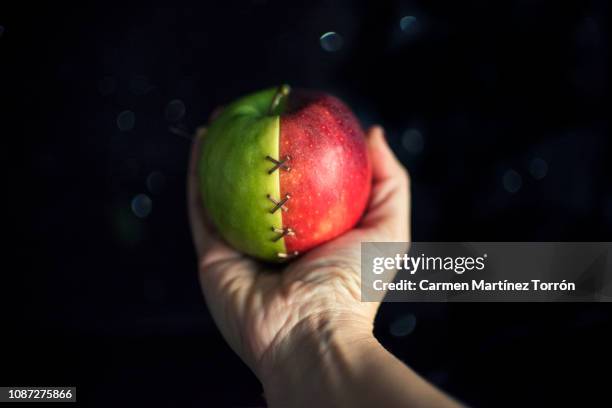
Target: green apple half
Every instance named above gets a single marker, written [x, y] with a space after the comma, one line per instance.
[234, 179]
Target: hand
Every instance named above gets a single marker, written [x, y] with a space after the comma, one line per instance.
[266, 313]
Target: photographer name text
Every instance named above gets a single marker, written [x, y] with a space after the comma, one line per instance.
[474, 285]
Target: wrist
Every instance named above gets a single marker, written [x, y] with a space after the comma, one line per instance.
[317, 352]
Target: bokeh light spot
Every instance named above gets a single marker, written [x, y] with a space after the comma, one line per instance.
[142, 205]
[175, 110]
[139, 85]
[403, 326]
[331, 41]
[512, 181]
[412, 140]
[408, 23]
[126, 120]
[538, 168]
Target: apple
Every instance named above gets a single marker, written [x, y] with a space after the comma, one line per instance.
[282, 171]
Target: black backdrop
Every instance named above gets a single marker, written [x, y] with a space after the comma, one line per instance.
[496, 108]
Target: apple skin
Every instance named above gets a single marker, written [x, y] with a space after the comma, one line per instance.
[233, 175]
[330, 175]
[326, 176]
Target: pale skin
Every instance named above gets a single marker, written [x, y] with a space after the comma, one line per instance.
[302, 328]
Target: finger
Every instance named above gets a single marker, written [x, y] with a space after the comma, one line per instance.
[389, 208]
[385, 164]
[388, 214]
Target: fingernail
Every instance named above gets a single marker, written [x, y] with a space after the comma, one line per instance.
[377, 130]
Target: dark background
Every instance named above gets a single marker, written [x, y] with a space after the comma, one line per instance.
[496, 108]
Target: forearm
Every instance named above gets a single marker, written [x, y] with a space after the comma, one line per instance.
[348, 369]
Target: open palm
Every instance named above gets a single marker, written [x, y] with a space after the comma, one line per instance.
[261, 308]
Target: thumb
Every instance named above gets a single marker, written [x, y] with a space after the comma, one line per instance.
[388, 213]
